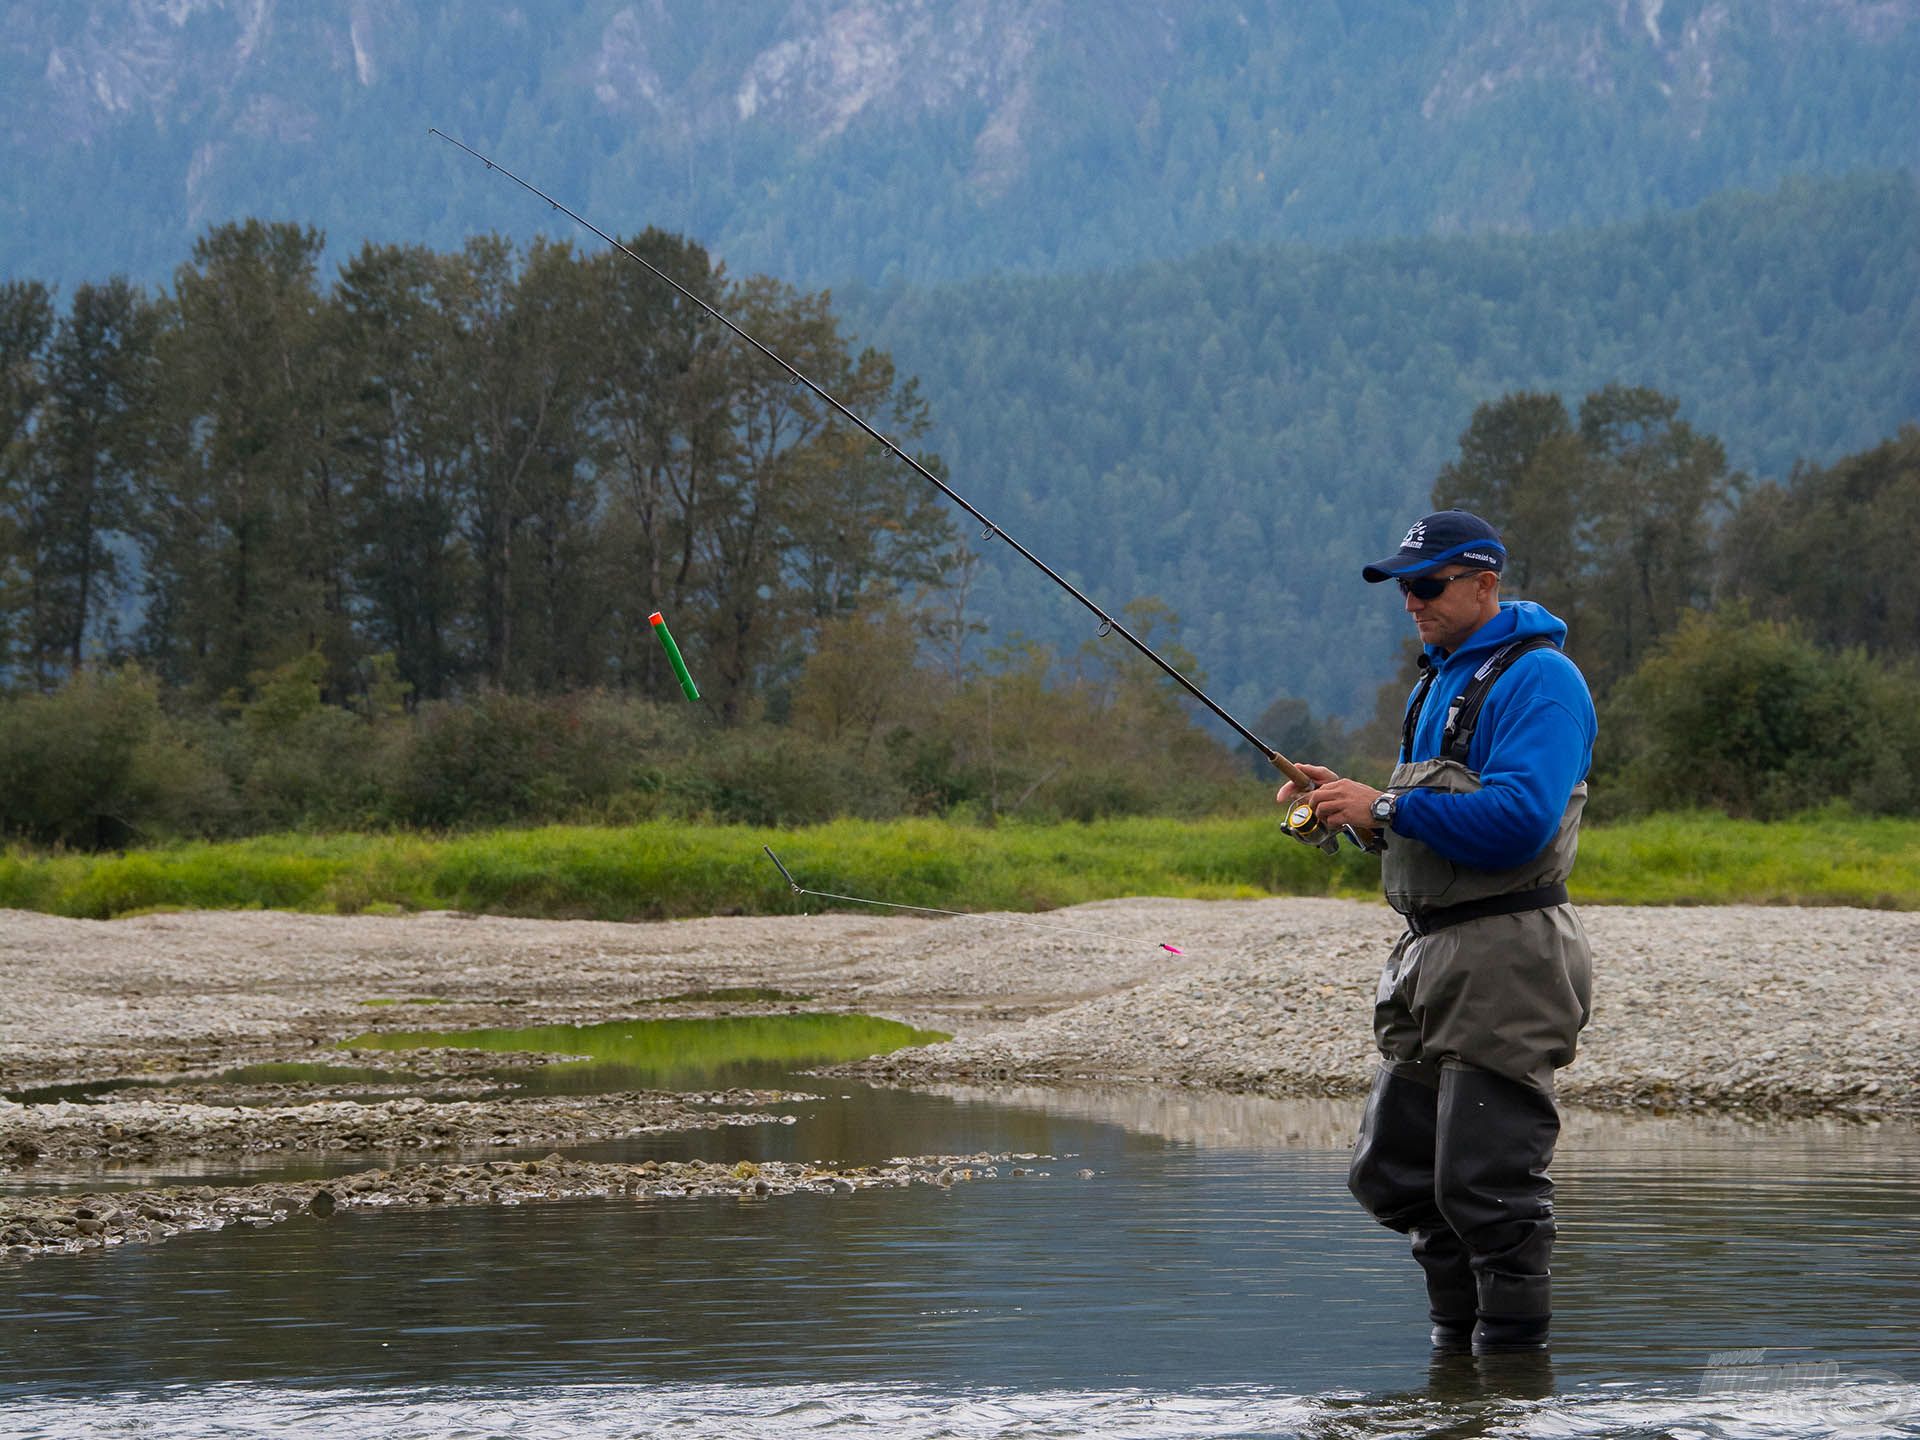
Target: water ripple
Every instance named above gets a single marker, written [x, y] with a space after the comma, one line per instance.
[1863, 1407]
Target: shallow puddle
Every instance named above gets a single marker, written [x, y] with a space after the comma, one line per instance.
[297, 1072]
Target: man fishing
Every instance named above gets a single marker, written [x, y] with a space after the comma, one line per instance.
[1482, 998]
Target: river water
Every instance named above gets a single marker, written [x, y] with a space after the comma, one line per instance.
[1210, 1278]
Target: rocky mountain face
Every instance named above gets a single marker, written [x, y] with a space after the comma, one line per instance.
[920, 139]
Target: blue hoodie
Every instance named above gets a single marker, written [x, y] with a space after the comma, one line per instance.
[1533, 744]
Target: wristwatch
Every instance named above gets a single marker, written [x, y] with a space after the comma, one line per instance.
[1384, 807]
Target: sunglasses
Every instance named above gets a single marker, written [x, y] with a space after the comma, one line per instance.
[1432, 587]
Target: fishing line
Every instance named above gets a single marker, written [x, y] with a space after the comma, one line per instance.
[1299, 821]
[800, 889]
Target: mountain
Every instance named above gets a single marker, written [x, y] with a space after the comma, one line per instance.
[1238, 432]
[923, 140]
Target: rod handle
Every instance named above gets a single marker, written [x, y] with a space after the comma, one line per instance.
[1292, 771]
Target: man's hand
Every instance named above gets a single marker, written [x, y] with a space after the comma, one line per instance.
[1319, 774]
[1337, 802]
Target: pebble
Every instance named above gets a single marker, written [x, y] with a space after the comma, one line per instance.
[144, 1128]
[44, 1224]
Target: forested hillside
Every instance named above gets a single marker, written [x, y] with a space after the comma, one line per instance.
[825, 140]
[1236, 433]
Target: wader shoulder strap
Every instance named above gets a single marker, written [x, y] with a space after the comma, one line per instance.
[1464, 715]
[1414, 706]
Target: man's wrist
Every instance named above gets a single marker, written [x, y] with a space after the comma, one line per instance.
[1385, 808]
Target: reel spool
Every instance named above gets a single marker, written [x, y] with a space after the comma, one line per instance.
[1302, 824]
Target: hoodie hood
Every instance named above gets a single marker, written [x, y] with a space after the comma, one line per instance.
[1517, 620]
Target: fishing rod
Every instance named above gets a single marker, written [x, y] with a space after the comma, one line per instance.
[800, 889]
[1299, 820]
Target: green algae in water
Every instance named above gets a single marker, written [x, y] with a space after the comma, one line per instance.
[760, 1050]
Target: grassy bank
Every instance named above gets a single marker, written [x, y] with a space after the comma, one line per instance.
[659, 871]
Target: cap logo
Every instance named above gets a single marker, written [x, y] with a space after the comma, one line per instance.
[1479, 555]
[1416, 536]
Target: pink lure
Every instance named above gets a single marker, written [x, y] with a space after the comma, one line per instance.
[1175, 948]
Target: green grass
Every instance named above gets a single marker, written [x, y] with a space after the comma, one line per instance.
[664, 870]
[1826, 859]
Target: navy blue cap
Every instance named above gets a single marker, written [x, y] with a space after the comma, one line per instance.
[1446, 537]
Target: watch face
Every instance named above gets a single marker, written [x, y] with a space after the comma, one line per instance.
[1383, 807]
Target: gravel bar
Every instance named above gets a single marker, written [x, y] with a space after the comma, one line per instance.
[142, 1129]
[69, 1224]
[1739, 1009]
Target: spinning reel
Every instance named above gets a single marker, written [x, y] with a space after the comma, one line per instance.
[1304, 825]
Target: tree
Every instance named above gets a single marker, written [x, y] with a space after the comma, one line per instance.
[26, 324]
[1831, 550]
[1522, 468]
[411, 566]
[238, 524]
[1609, 525]
[802, 519]
[859, 676]
[661, 404]
[1655, 489]
[518, 356]
[101, 378]
[1749, 716]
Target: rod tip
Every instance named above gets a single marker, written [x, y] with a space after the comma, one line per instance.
[793, 883]
[656, 618]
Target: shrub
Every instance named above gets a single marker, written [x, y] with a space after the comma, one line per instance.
[96, 764]
[327, 768]
[764, 776]
[500, 758]
[1752, 718]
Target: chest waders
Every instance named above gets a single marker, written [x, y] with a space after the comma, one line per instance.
[1479, 1003]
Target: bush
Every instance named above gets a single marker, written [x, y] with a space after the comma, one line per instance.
[326, 770]
[764, 776]
[103, 763]
[97, 764]
[507, 758]
[1751, 718]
